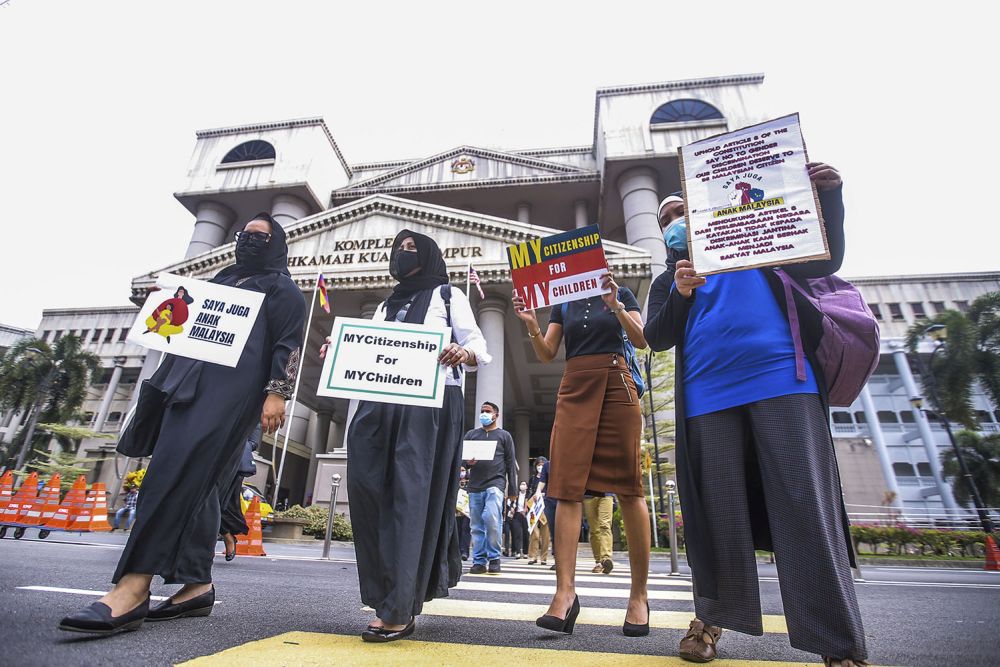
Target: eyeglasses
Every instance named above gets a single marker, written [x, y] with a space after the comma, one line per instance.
[255, 236]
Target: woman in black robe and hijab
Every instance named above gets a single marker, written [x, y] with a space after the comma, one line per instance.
[209, 411]
[404, 460]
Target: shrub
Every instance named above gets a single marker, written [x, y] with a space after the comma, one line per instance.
[897, 539]
[316, 517]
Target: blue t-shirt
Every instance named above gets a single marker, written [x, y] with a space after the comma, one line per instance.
[738, 346]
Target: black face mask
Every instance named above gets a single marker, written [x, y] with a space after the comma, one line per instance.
[249, 250]
[406, 261]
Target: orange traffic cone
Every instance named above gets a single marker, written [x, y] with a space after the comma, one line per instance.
[6, 489]
[252, 544]
[99, 520]
[48, 501]
[992, 554]
[71, 506]
[22, 500]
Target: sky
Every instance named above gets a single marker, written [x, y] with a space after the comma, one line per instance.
[100, 102]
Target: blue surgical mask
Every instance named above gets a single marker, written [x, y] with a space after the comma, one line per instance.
[485, 418]
[676, 234]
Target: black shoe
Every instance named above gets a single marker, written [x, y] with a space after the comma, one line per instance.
[201, 605]
[494, 567]
[506, 554]
[553, 566]
[381, 635]
[607, 565]
[634, 629]
[557, 624]
[532, 561]
[477, 569]
[97, 620]
[465, 558]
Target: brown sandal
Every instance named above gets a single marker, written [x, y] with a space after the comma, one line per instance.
[699, 644]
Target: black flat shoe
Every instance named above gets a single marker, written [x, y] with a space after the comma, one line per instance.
[97, 620]
[381, 635]
[196, 606]
[634, 629]
[557, 624]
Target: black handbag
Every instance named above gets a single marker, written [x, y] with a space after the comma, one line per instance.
[139, 436]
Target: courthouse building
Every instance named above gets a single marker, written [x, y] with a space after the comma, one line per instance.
[341, 217]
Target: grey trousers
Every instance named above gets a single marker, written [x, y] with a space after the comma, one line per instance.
[788, 440]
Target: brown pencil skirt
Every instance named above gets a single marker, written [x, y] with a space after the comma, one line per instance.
[597, 430]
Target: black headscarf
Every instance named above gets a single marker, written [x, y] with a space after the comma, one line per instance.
[273, 260]
[418, 288]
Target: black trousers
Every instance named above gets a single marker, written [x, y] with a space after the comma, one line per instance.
[518, 534]
[787, 441]
[464, 527]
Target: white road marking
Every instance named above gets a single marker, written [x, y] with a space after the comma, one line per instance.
[580, 578]
[82, 591]
[622, 593]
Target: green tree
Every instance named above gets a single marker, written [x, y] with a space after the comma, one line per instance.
[661, 389]
[982, 457]
[64, 463]
[48, 379]
[971, 354]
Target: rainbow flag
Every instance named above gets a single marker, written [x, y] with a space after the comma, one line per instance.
[324, 302]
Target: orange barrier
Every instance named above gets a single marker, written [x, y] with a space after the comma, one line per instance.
[99, 521]
[6, 489]
[70, 508]
[992, 554]
[22, 501]
[48, 501]
[252, 544]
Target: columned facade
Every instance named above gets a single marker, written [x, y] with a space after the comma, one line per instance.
[212, 224]
[878, 439]
[286, 209]
[639, 191]
[580, 217]
[109, 394]
[522, 442]
[524, 213]
[489, 379]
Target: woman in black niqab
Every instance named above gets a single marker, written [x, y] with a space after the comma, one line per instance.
[208, 413]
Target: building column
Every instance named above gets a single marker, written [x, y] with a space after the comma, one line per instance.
[13, 424]
[109, 394]
[489, 380]
[286, 209]
[924, 428]
[337, 435]
[522, 442]
[317, 433]
[212, 224]
[640, 199]
[878, 438]
[580, 213]
[524, 213]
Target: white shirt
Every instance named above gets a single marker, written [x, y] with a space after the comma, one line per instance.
[463, 326]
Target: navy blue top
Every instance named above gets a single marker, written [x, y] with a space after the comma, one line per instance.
[590, 327]
[738, 346]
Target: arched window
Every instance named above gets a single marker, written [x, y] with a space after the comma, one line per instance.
[249, 151]
[682, 111]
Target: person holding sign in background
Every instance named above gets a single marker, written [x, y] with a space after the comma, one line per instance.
[208, 413]
[595, 438]
[404, 460]
[755, 459]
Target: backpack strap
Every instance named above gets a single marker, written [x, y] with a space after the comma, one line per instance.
[446, 297]
[793, 322]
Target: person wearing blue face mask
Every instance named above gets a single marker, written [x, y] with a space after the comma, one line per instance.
[489, 482]
[673, 223]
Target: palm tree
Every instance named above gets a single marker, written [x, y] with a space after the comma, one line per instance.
[972, 354]
[50, 381]
[982, 457]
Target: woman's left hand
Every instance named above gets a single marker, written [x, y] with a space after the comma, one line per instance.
[452, 355]
[824, 176]
[272, 417]
[611, 298]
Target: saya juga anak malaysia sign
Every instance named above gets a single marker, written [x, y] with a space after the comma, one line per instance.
[385, 362]
[749, 201]
[558, 268]
[196, 319]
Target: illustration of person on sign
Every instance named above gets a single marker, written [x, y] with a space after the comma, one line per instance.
[168, 317]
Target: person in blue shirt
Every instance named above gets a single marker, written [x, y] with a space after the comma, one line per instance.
[756, 466]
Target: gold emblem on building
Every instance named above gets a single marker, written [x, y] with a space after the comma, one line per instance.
[463, 165]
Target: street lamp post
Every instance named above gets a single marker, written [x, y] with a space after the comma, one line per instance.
[938, 333]
[333, 510]
[40, 401]
[652, 416]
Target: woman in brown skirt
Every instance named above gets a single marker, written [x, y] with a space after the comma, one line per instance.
[595, 438]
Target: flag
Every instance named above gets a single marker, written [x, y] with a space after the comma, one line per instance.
[324, 302]
[474, 280]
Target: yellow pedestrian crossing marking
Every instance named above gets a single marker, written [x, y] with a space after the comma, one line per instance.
[514, 611]
[500, 587]
[313, 648]
[580, 578]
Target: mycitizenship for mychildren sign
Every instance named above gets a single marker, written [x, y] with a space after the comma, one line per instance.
[196, 319]
[386, 362]
[749, 201]
[558, 268]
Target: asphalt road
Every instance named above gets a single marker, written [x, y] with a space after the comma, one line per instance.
[913, 616]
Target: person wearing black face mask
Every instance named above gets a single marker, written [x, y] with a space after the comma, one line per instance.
[405, 460]
[208, 412]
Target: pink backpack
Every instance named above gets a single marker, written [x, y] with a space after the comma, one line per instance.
[849, 347]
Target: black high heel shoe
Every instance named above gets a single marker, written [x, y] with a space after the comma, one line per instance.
[635, 629]
[230, 555]
[557, 624]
